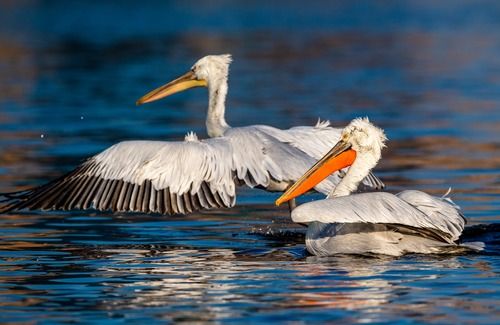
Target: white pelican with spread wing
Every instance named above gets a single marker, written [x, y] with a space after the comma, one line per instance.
[377, 223]
[184, 176]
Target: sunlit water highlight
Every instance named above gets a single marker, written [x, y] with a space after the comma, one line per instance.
[69, 76]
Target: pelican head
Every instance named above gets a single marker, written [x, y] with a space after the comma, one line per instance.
[364, 137]
[360, 147]
[210, 71]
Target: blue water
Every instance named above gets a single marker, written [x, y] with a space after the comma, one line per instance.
[426, 71]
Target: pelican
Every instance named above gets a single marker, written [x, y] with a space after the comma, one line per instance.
[372, 223]
[180, 177]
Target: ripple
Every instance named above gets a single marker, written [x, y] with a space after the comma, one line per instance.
[426, 72]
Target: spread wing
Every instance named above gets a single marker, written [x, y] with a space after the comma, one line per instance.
[413, 209]
[141, 176]
[169, 177]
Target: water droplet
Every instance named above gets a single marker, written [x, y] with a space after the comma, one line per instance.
[81, 117]
[42, 136]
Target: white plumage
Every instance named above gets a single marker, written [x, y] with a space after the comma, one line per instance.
[408, 208]
[185, 176]
[379, 223]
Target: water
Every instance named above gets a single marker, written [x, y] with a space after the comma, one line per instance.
[69, 76]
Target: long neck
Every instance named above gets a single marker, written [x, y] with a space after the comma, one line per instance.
[357, 172]
[216, 123]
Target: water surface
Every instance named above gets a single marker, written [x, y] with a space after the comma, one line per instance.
[428, 73]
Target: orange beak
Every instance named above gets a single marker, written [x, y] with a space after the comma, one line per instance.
[184, 82]
[340, 156]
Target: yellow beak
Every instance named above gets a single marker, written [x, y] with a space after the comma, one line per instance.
[340, 156]
[184, 82]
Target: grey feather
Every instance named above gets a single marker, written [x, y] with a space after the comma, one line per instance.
[195, 174]
[409, 208]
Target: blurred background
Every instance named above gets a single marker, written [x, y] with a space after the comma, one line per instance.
[70, 73]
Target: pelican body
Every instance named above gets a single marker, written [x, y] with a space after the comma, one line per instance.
[180, 177]
[372, 223]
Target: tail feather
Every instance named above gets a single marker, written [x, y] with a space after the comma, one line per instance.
[372, 182]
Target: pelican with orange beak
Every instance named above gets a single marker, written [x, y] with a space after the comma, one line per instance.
[372, 223]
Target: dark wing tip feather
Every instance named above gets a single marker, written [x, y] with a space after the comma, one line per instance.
[82, 189]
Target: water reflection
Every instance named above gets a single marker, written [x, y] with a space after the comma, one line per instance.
[176, 283]
[215, 284]
[426, 72]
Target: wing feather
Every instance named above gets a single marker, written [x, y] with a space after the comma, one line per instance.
[172, 177]
[145, 198]
[88, 192]
[173, 201]
[180, 204]
[385, 208]
[316, 141]
[166, 199]
[260, 159]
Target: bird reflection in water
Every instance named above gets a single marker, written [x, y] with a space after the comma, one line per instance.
[214, 280]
